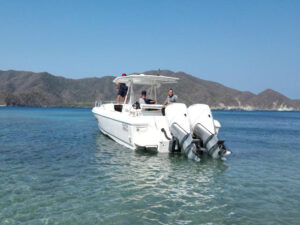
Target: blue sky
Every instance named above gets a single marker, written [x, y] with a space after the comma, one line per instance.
[247, 45]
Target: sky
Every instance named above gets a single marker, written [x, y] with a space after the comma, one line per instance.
[247, 45]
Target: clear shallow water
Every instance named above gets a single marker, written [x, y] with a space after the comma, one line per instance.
[57, 168]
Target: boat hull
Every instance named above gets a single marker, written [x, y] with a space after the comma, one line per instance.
[116, 130]
[134, 132]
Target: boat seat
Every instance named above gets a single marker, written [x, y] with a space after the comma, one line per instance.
[151, 107]
[118, 108]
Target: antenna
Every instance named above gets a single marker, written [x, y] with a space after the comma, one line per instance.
[158, 72]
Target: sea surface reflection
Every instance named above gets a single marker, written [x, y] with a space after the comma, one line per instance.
[57, 168]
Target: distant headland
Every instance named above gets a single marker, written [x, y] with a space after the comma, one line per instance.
[22, 88]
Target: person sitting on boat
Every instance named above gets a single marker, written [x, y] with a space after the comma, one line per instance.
[144, 100]
[122, 90]
[171, 98]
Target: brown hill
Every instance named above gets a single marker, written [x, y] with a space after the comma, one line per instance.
[43, 89]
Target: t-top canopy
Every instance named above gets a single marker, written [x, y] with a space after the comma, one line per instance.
[145, 79]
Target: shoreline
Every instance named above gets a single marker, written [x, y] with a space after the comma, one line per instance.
[213, 109]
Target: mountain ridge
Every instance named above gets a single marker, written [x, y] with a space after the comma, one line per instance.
[25, 88]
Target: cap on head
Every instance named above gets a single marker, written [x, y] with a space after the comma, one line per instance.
[144, 92]
[123, 74]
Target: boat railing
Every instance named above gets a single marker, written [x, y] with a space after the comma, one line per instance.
[111, 102]
[98, 103]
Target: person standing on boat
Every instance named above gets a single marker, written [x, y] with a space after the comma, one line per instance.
[144, 100]
[171, 98]
[122, 90]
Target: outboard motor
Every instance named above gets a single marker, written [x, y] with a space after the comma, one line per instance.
[205, 128]
[176, 115]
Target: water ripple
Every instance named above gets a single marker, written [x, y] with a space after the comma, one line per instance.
[56, 168]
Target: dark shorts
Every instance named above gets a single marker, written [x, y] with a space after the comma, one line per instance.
[122, 91]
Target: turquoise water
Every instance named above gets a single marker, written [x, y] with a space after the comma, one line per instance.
[57, 168]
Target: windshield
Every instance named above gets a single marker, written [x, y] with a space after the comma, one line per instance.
[134, 93]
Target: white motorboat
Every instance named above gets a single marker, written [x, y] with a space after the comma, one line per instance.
[191, 130]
